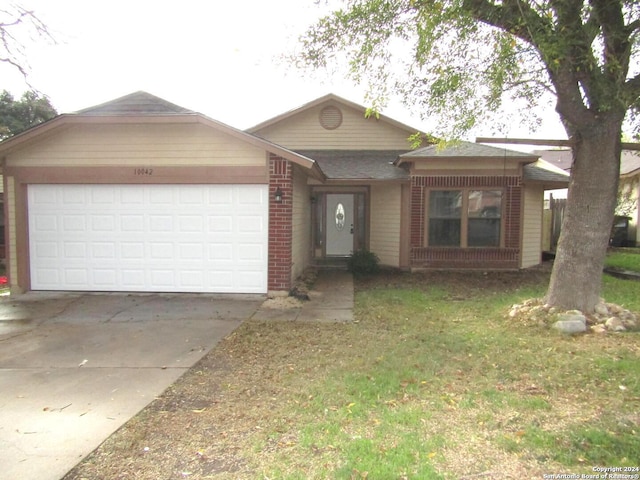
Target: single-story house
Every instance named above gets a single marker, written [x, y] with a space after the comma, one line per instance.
[139, 194]
[629, 183]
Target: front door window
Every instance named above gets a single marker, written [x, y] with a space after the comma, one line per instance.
[340, 224]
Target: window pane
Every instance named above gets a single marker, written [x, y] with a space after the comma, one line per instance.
[444, 232]
[445, 204]
[445, 209]
[485, 210]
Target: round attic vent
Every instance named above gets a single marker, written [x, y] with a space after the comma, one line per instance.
[330, 117]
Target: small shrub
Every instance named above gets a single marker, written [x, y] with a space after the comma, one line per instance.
[363, 262]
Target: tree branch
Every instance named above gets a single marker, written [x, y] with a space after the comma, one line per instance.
[513, 16]
[617, 45]
[631, 90]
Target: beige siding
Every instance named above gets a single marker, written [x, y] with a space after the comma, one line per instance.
[384, 238]
[356, 132]
[532, 226]
[155, 144]
[301, 224]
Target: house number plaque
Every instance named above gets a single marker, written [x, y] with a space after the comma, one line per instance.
[340, 216]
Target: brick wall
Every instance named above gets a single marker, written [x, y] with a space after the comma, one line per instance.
[280, 223]
[447, 257]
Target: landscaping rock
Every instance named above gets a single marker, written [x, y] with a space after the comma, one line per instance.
[571, 323]
[614, 324]
[629, 320]
[615, 309]
[607, 317]
[602, 309]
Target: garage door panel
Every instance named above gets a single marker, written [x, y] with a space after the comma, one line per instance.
[47, 276]
[102, 223]
[70, 197]
[76, 276]
[104, 278]
[73, 223]
[182, 238]
[75, 250]
[103, 195]
[133, 279]
[191, 223]
[132, 197]
[103, 250]
[46, 250]
[46, 223]
[220, 223]
[250, 253]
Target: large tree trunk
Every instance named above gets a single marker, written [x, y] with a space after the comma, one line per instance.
[576, 278]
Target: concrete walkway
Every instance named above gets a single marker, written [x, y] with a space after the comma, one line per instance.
[330, 300]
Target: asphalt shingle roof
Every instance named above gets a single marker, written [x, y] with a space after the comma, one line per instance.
[536, 173]
[358, 164]
[466, 149]
[563, 158]
[138, 103]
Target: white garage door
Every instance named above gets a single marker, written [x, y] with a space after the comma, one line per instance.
[149, 238]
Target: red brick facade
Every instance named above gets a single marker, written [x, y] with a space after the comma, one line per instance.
[280, 221]
[506, 256]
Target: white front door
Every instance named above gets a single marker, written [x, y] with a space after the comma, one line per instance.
[340, 224]
[149, 238]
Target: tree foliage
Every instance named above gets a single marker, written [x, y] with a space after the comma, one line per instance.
[18, 115]
[461, 60]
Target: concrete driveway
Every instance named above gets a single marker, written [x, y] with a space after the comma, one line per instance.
[75, 367]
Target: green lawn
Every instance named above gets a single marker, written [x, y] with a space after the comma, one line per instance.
[626, 259]
[435, 382]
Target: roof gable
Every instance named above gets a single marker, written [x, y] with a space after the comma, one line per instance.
[329, 98]
[144, 108]
[333, 123]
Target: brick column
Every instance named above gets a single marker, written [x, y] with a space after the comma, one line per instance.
[280, 221]
[417, 212]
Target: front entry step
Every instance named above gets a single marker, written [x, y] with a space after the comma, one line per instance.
[331, 263]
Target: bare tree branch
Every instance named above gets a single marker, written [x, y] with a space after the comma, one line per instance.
[17, 24]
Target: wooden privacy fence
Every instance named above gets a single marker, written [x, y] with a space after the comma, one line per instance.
[556, 206]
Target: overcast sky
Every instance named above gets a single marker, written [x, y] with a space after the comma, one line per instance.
[218, 58]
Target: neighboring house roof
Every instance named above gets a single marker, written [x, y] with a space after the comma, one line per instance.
[142, 107]
[545, 173]
[563, 158]
[358, 164]
[466, 150]
[630, 163]
[272, 121]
